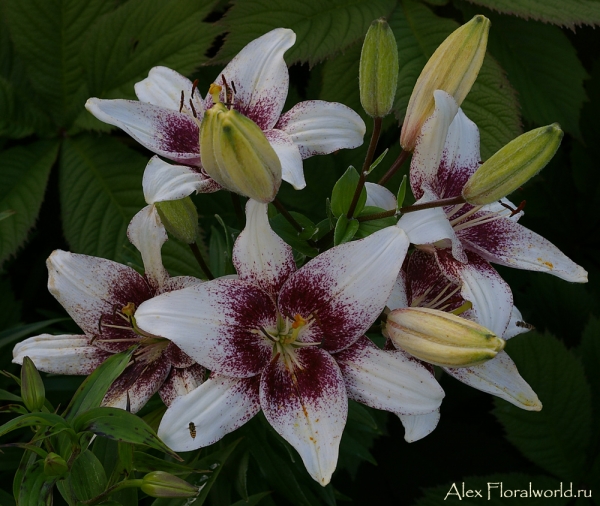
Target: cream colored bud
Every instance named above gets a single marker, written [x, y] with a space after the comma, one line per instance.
[162, 484]
[33, 392]
[237, 155]
[180, 218]
[513, 165]
[441, 338]
[453, 68]
[378, 74]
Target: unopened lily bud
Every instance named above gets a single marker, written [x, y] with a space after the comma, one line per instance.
[162, 484]
[513, 165]
[453, 68]
[236, 153]
[55, 465]
[32, 386]
[180, 218]
[442, 338]
[378, 75]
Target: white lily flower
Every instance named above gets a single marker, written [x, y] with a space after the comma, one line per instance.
[167, 118]
[446, 155]
[101, 295]
[441, 282]
[290, 342]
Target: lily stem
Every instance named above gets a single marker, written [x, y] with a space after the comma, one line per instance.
[200, 260]
[239, 211]
[451, 201]
[402, 157]
[367, 163]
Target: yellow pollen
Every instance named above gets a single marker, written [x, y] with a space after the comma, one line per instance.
[298, 322]
[128, 309]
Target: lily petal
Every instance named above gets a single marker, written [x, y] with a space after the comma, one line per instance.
[481, 285]
[289, 156]
[90, 288]
[308, 407]
[147, 233]
[139, 382]
[499, 377]
[505, 242]
[398, 298]
[164, 87]
[345, 288]
[388, 380]
[380, 196]
[181, 382]
[168, 133]
[217, 407]
[418, 426]
[63, 354]
[319, 128]
[516, 325]
[431, 226]
[163, 181]
[261, 77]
[217, 323]
[260, 256]
[430, 144]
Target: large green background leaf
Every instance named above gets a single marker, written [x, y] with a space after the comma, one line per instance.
[23, 178]
[557, 437]
[101, 190]
[323, 27]
[559, 12]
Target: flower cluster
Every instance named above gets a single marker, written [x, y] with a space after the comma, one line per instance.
[293, 342]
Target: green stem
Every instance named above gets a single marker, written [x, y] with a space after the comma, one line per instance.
[111, 490]
[367, 163]
[200, 260]
[415, 207]
[292, 221]
[402, 157]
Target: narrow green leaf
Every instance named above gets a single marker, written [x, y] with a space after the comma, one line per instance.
[345, 230]
[378, 161]
[93, 389]
[6, 499]
[290, 235]
[118, 424]
[251, 500]
[9, 336]
[31, 419]
[101, 190]
[23, 179]
[125, 44]
[87, 478]
[491, 104]
[241, 476]
[215, 462]
[179, 260]
[322, 28]
[557, 437]
[48, 35]
[343, 193]
[146, 463]
[531, 491]
[36, 488]
[543, 67]
[7, 396]
[559, 12]
[401, 192]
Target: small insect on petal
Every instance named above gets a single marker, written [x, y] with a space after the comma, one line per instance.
[192, 428]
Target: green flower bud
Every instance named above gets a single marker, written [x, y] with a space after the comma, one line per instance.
[378, 74]
[180, 218]
[513, 165]
[162, 484]
[236, 153]
[442, 338]
[453, 68]
[32, 386]
[55, 465]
